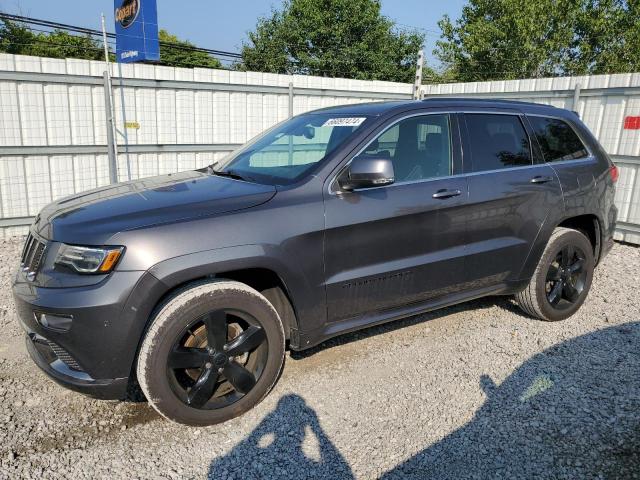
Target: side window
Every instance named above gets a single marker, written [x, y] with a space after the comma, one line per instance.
[420, 147]
[557, 139]
[497, 141]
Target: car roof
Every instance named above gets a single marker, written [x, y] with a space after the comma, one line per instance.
[386, 107]
[368, 108]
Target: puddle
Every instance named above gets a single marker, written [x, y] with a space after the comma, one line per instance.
[104, 423]
[139, 413]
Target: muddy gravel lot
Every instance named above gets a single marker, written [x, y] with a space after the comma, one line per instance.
[474, 391]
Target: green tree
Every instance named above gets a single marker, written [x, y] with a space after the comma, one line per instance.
[508, 39]
[15, 38]
[334, 38]
[182, 54]
[607, 38]
[18, 39]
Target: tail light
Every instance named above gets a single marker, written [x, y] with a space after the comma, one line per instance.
[614, 173]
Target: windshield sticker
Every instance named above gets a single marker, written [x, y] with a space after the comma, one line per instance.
[344, 122]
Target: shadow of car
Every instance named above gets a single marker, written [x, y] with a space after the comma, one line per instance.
[568, 412]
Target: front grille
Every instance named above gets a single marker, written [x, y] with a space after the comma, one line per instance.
[63, 355]
[32, 255]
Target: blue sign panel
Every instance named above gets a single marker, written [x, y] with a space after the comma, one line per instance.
[136, 30]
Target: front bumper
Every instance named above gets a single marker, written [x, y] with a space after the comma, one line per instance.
[95, 355]
[45, 357]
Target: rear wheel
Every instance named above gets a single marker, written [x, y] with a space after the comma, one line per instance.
[562, 279]
[212, 352]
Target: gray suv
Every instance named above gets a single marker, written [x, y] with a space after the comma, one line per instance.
[192, 285]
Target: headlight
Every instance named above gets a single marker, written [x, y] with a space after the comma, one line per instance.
[89, 259]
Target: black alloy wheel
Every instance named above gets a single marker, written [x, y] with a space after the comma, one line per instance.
[213, 350]
[562, 278]
[217, 359]
[566, 277]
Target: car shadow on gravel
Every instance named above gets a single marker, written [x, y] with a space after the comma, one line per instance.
[288, 443]
[568, 412]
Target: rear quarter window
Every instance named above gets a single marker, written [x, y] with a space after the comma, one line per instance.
[557, 139]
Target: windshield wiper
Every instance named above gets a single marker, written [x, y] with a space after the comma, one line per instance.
[230, 174]
[210, 167]
[226, 173]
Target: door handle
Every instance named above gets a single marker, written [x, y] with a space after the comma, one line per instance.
[541, 179]
[444, 193]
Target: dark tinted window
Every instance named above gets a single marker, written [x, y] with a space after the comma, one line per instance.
[557, 139]
[420, 147]
[497, 141]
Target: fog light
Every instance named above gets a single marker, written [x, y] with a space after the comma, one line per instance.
[58, 322]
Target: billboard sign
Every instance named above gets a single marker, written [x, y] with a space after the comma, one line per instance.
[136, 30]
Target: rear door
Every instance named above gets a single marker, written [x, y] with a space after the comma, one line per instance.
[402, 243]
[511, 195]
[563, 149]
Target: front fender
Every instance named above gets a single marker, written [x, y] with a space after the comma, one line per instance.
[308, 299]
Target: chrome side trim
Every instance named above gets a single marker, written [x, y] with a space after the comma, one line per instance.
[508, 169]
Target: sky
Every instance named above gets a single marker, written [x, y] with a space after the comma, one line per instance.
[223, 25]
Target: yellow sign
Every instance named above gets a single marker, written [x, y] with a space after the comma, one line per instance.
[135, 125]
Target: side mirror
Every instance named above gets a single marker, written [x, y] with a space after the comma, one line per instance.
[367, 171]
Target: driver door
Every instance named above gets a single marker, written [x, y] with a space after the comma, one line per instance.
[403, 243]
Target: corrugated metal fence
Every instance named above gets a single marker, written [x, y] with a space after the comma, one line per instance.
[53, 127]
[608, 104]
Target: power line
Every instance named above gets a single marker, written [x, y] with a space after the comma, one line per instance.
[428, 32]
[54, 44]
[111, 43]
[92, 32]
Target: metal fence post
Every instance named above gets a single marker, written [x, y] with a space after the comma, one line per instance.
[290, 116]
[111, 145]
[108, 106]
[125, 134]
[290, 99]
[576, 97]
[418, 80]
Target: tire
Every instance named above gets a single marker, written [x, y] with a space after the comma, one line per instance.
[187, 369]
[559, 286]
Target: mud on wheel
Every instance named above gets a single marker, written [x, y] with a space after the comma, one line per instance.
[212, 352]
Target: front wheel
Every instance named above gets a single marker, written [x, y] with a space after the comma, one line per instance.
[562, 279]
[212, 352]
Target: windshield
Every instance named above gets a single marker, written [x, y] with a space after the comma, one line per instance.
[291, 149]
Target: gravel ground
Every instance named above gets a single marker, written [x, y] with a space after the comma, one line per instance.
[473, 391]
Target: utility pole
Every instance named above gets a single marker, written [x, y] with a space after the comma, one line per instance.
[112, 147]
[418, 81]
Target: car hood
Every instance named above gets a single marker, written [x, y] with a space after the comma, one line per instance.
[92, 217]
